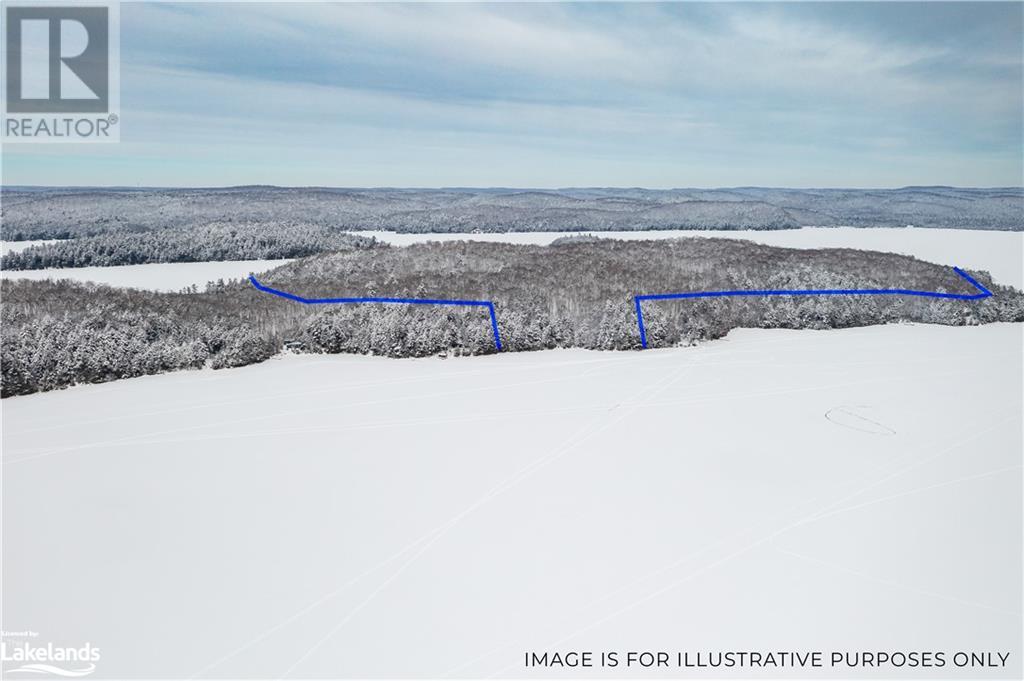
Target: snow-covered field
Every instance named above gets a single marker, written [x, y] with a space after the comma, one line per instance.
[154, 276]
[355, 516]
[1001, 253]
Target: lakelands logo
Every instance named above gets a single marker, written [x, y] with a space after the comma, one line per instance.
[26, 655]
[61, 75]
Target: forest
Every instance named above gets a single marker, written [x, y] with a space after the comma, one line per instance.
[574, 293]
[220, 241]
[30, 213]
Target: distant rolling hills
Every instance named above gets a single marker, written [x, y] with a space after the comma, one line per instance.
[42, 213]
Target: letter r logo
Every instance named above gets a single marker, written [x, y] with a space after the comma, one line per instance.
[57, 59]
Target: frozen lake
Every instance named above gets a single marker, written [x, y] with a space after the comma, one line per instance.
[326, 516]
[1001, 253]
[154, 276]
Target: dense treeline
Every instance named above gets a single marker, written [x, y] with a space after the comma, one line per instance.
[56, 334]
[222, 241]
[577, 293]
[62, 213]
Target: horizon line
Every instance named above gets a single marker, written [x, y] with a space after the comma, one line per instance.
[4, 186]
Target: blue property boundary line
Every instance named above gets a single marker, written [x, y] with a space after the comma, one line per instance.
[984, 293]
[404, 301]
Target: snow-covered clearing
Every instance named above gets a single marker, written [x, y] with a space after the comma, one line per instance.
[355, 516]
[154, 276]
[16, 246]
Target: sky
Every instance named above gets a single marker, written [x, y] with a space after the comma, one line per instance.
[556, 95]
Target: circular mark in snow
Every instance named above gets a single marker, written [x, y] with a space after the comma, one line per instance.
[851, 417]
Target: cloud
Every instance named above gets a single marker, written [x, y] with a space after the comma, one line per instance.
[681, 88]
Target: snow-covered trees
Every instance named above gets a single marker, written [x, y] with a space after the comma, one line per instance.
[220, 241]
[62, 213]
[59, 334]
[575, 294]
[399, 331]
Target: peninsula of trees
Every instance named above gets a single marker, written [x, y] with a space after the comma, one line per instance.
[574, 293]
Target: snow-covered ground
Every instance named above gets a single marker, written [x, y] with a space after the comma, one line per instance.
[1001, 253]
[354, 516]
[154, 276]
[16, 246]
